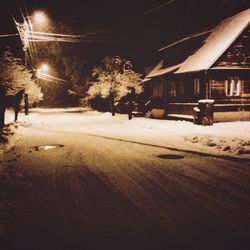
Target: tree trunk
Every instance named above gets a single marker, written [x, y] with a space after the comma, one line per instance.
[130, 107]
[26, 104]
[2, 115]
[2, 107]
[112, 105]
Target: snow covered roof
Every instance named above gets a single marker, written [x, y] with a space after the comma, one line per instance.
[157, 71]
[218, 41]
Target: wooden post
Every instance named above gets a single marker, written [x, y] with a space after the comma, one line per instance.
[206, 112]
[17, 103]
[207, 85]
[26, 104]
[2, 107]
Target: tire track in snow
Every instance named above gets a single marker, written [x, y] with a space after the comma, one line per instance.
[125, 220]
[75, 233]
[200, 216]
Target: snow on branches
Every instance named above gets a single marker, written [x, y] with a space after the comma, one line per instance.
[115, 78]
[15, 77]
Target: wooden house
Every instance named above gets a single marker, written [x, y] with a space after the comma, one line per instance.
[214, 65]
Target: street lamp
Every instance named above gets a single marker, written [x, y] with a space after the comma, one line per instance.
[43, 70]
[40, 18]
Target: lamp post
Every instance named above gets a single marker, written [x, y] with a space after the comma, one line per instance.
[25, 29]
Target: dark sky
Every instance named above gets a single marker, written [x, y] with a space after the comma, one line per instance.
[138, 38]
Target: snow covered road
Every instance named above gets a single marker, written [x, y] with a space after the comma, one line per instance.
[101, 193]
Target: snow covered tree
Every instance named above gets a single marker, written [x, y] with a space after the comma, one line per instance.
[114, 80]
[15, 77]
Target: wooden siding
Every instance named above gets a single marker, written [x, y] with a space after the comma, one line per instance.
[217, 91]
[217, 88]
[239, 53]
[246, 88]
[181, 108]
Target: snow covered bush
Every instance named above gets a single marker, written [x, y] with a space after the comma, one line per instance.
[114, 80]
[15, 77]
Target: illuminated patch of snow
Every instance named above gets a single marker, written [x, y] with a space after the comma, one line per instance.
[47, 147]
[231, 138]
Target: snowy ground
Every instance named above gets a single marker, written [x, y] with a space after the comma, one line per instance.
[226, 139]
[103, 191]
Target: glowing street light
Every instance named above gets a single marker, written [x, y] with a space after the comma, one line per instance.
[43, 73]
[40, 18]
[43, 69]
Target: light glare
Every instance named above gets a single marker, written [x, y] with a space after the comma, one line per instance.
[40, 17]
[44, 68]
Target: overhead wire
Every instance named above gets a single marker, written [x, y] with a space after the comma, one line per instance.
[50, 78]
[46, 36]
[32, 45]
[89, 37]
[185, 39]
[9, 35]
[132, 18]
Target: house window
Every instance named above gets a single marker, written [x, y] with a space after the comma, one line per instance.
[161, 89]
[196, 87]
[217, 88]
[155, 90]
[173, 89]
[158, 89]
[232, 86]
[181, 88]
[246, 88]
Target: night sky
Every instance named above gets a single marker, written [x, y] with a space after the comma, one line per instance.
[135, 38]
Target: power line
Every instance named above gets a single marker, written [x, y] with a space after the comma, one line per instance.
[86, 37]
[150, 11]
[185, 39]
[100, 30]
[9, 35]
[133, 18]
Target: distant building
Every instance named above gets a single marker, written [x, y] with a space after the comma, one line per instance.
[211, 65]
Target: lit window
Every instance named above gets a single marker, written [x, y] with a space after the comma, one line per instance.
[158, 89]
[173, 89]
[196, 86]
[232, 86]
[181, 88]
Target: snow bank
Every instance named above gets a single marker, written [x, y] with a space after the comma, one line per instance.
[7, 138]
[232, 138]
